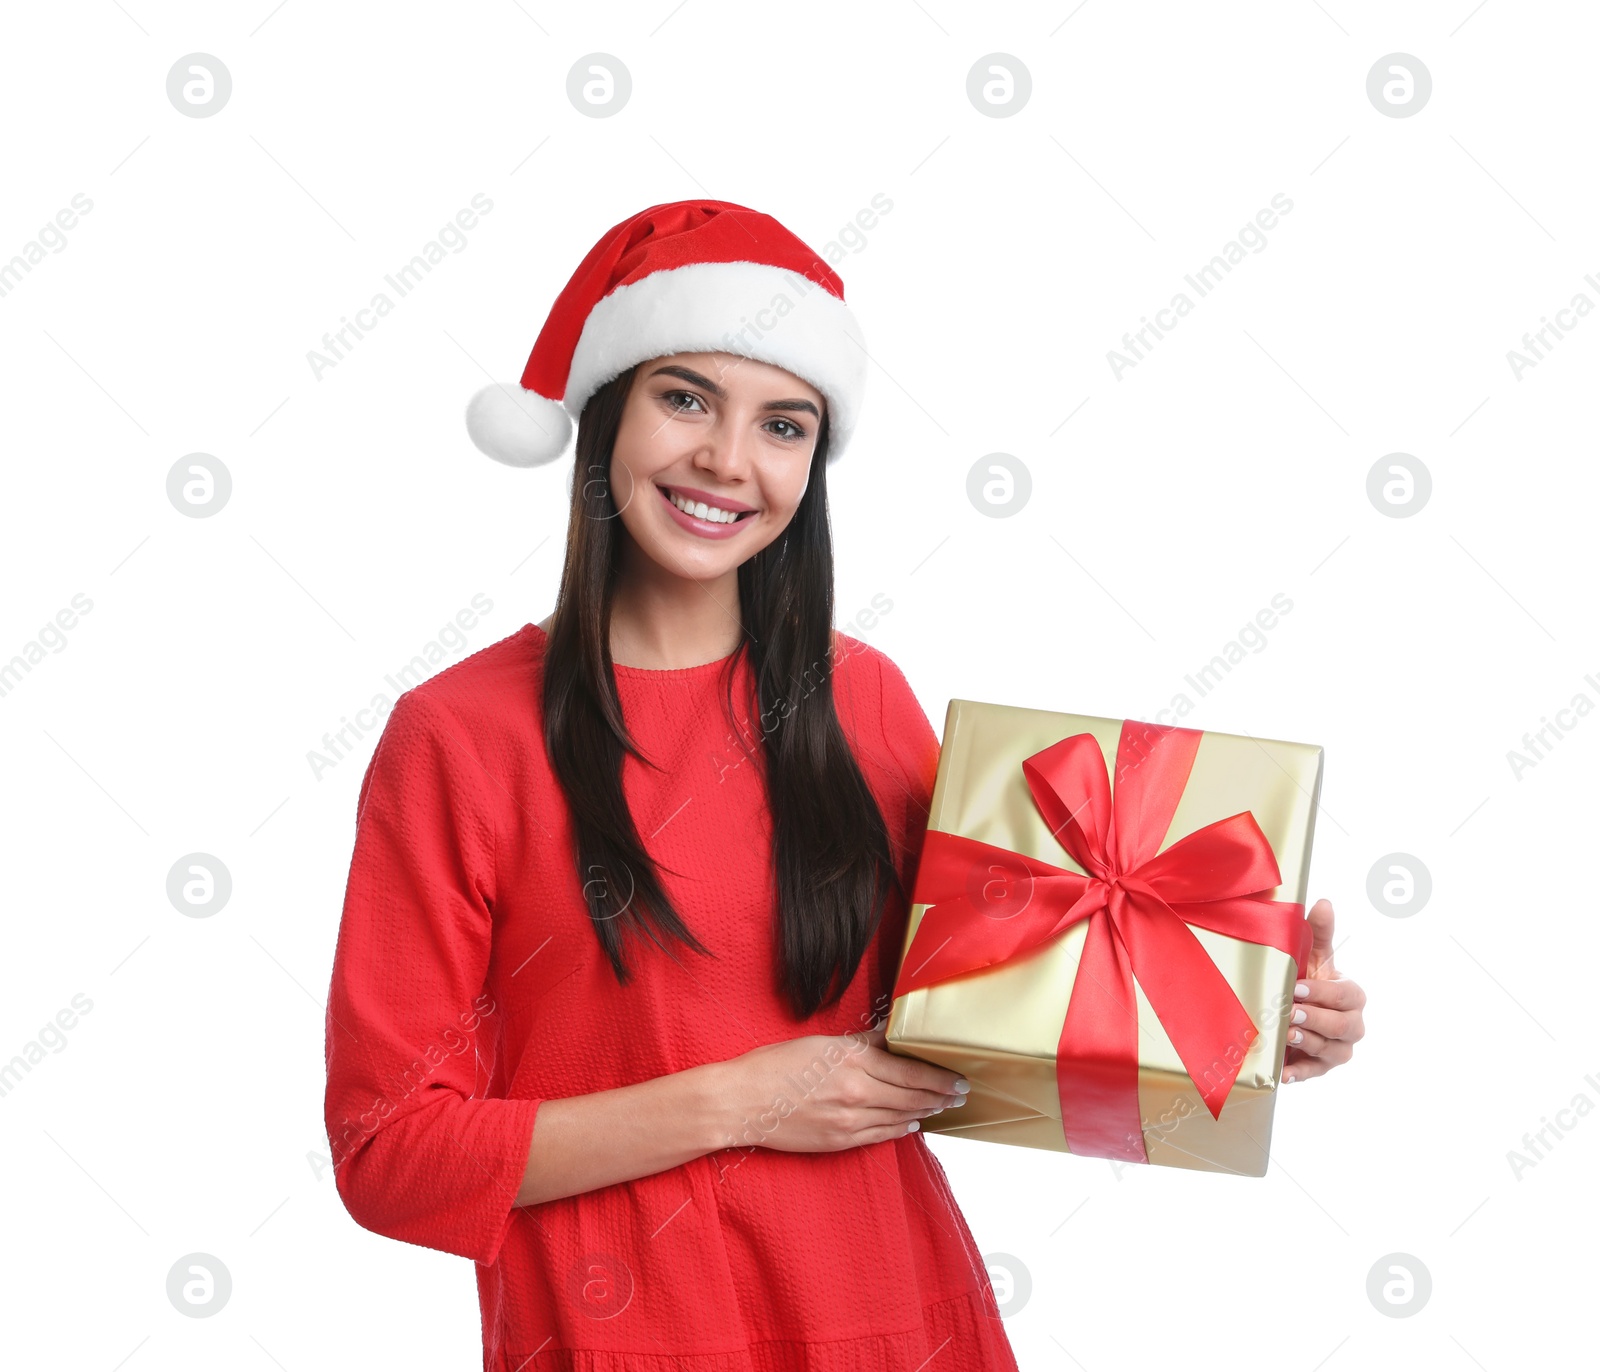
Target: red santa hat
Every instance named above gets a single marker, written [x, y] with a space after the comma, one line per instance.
[691, 276]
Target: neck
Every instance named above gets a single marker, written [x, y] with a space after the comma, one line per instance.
[661, 621]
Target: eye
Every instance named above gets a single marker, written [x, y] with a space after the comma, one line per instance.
[795, 430]
[672, 397]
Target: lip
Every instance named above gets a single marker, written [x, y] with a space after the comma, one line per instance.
[720, 501]
[701, 528]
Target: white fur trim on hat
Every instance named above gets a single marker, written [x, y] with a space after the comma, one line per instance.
[748, 308]
[518, 427]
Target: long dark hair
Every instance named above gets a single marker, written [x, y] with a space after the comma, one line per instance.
[831, 856]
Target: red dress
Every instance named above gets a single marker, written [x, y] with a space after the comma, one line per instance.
[469, 985]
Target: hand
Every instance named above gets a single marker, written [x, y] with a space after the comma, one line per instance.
[823, 1093]
[1331, 1005]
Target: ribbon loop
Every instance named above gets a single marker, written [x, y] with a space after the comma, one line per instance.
[1068, 783]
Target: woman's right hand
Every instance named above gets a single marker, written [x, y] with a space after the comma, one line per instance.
[823, 1093]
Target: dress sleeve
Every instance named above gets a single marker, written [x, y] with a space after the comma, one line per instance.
[417, 1154]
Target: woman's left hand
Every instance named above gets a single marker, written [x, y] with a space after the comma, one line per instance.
[1327, 1016]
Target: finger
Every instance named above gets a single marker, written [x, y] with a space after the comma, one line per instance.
[1320, 918]
[912, 1073]
[880, 1095]
[868, 1092]
[1305, 1069]
[1345, 1025]
[1334, 1052]
[885, 1134]
[1338, 993]
[1304, 1041]
[872, 1116]
[1331, 1024]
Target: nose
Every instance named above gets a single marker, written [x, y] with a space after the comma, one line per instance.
[727, 451]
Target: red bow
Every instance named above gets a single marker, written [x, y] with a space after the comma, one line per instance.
[988, 905]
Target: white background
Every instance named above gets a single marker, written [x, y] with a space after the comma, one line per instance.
[181, 1113]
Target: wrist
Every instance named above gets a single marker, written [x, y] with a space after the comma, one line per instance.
[713, 1105]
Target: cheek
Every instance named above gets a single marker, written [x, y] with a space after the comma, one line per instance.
[789, 488]
[629, 489]
[644, 447]
[642, 442]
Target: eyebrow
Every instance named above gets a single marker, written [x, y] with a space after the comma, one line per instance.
[694, 378]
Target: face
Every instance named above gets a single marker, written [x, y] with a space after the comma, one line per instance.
[718, 430]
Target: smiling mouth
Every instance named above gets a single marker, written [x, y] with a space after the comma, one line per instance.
[711, 514]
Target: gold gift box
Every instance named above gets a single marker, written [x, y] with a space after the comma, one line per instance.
[1000, 1027]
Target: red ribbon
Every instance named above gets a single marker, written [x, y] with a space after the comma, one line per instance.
[988, 905]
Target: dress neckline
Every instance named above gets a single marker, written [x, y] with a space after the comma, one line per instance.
[655, 673]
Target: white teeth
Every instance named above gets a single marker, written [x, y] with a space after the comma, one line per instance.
[700, 510]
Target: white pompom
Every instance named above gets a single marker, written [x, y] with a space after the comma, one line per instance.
[518, 427]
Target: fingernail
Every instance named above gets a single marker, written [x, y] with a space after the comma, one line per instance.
[1301, 989]
[913, 1127]
[963, 1085]
[958, 1104]
[1299, 1016]
[1288, 1076]
[1295, 1036]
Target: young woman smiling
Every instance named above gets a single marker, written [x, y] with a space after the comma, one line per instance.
[659, 1162]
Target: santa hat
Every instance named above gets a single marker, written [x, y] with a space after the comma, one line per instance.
[691, 276]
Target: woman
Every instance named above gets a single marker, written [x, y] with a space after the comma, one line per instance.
[649, 860]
